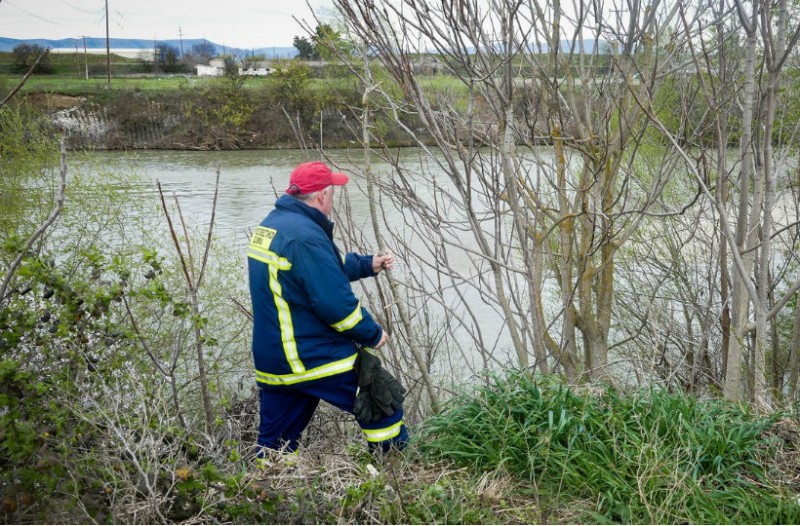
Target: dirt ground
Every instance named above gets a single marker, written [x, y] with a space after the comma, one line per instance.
[52, 102]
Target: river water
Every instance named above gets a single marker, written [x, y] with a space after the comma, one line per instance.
[250, 182]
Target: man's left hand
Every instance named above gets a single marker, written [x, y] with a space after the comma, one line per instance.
[384, 261]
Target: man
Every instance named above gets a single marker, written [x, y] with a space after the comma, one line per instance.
[308, 324]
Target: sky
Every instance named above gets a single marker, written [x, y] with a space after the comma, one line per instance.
[244, 24]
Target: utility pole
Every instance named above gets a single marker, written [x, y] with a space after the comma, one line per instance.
[85, 57]
[180, 36]
[108, 50]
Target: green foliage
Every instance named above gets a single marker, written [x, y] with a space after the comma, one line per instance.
[448, 502]
[58, 335]
[28, 167]
[325, 44]
[329, 44]
[77, 392]
[681, 104]
[230, 66]
[646, 457]
[25, 56]
[305, 48]
[167, 57]
[20, 392]
[289, 87]
[221, 111]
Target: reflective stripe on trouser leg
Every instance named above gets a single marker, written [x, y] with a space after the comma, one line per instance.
[386, 433]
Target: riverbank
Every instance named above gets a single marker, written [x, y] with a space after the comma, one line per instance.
[218, 114]
[194, 120]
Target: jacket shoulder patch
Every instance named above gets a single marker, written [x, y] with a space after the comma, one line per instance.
[262, 237]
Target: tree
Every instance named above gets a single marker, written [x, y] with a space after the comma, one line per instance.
[251, 61]
[167, 57]
[326, 43]
[230, 66]
[289, 88]
[743, 84]
[329, 43]
[755, 222]
[204, 51]
[26, 54]
[305, 48]
[530, 219]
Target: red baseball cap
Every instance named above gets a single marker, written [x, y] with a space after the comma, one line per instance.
[312, 177]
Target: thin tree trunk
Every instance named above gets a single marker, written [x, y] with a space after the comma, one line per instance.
[201, 361]
[794, 367]
[734, 387]
[404, 318]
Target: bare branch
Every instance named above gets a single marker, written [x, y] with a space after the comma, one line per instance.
[24, 78]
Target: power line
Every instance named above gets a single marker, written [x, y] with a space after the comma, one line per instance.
[81, 10]
[34, 15]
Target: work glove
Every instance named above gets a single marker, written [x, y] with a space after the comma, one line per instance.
[379, 393]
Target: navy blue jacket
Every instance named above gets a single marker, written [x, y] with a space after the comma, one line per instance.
[307, 321]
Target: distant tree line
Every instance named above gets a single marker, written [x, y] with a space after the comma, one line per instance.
[165, 59]
[25, 55]
[325, 44]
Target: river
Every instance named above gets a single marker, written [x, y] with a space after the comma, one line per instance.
[250, 182]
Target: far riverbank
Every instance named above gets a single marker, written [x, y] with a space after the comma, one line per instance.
[220, 115]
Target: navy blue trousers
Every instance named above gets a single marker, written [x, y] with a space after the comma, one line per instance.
[287, 410]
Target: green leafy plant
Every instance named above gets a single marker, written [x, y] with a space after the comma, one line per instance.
[642, 457]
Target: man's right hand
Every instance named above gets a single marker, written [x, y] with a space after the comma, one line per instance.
[384, 339]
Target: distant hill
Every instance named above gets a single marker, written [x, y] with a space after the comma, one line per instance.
[8, 44]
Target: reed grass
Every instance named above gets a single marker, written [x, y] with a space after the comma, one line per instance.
[643, 457]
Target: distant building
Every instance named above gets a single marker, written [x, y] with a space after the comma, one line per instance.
[215, 68]
[258, 69]
[145, 54]
[204, 70]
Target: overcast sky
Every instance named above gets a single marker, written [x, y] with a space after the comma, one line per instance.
[236, 23]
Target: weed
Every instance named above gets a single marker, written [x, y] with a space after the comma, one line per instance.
[643, 457]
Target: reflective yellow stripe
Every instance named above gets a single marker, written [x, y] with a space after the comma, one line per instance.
[379, 435]
[329, 369]
[285, 319]
[270, 258]
[258, 249]
[351, 321]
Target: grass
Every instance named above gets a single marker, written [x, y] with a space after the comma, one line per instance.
[68, 77]
[81, 86]
[519, 451]
[647, 457]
